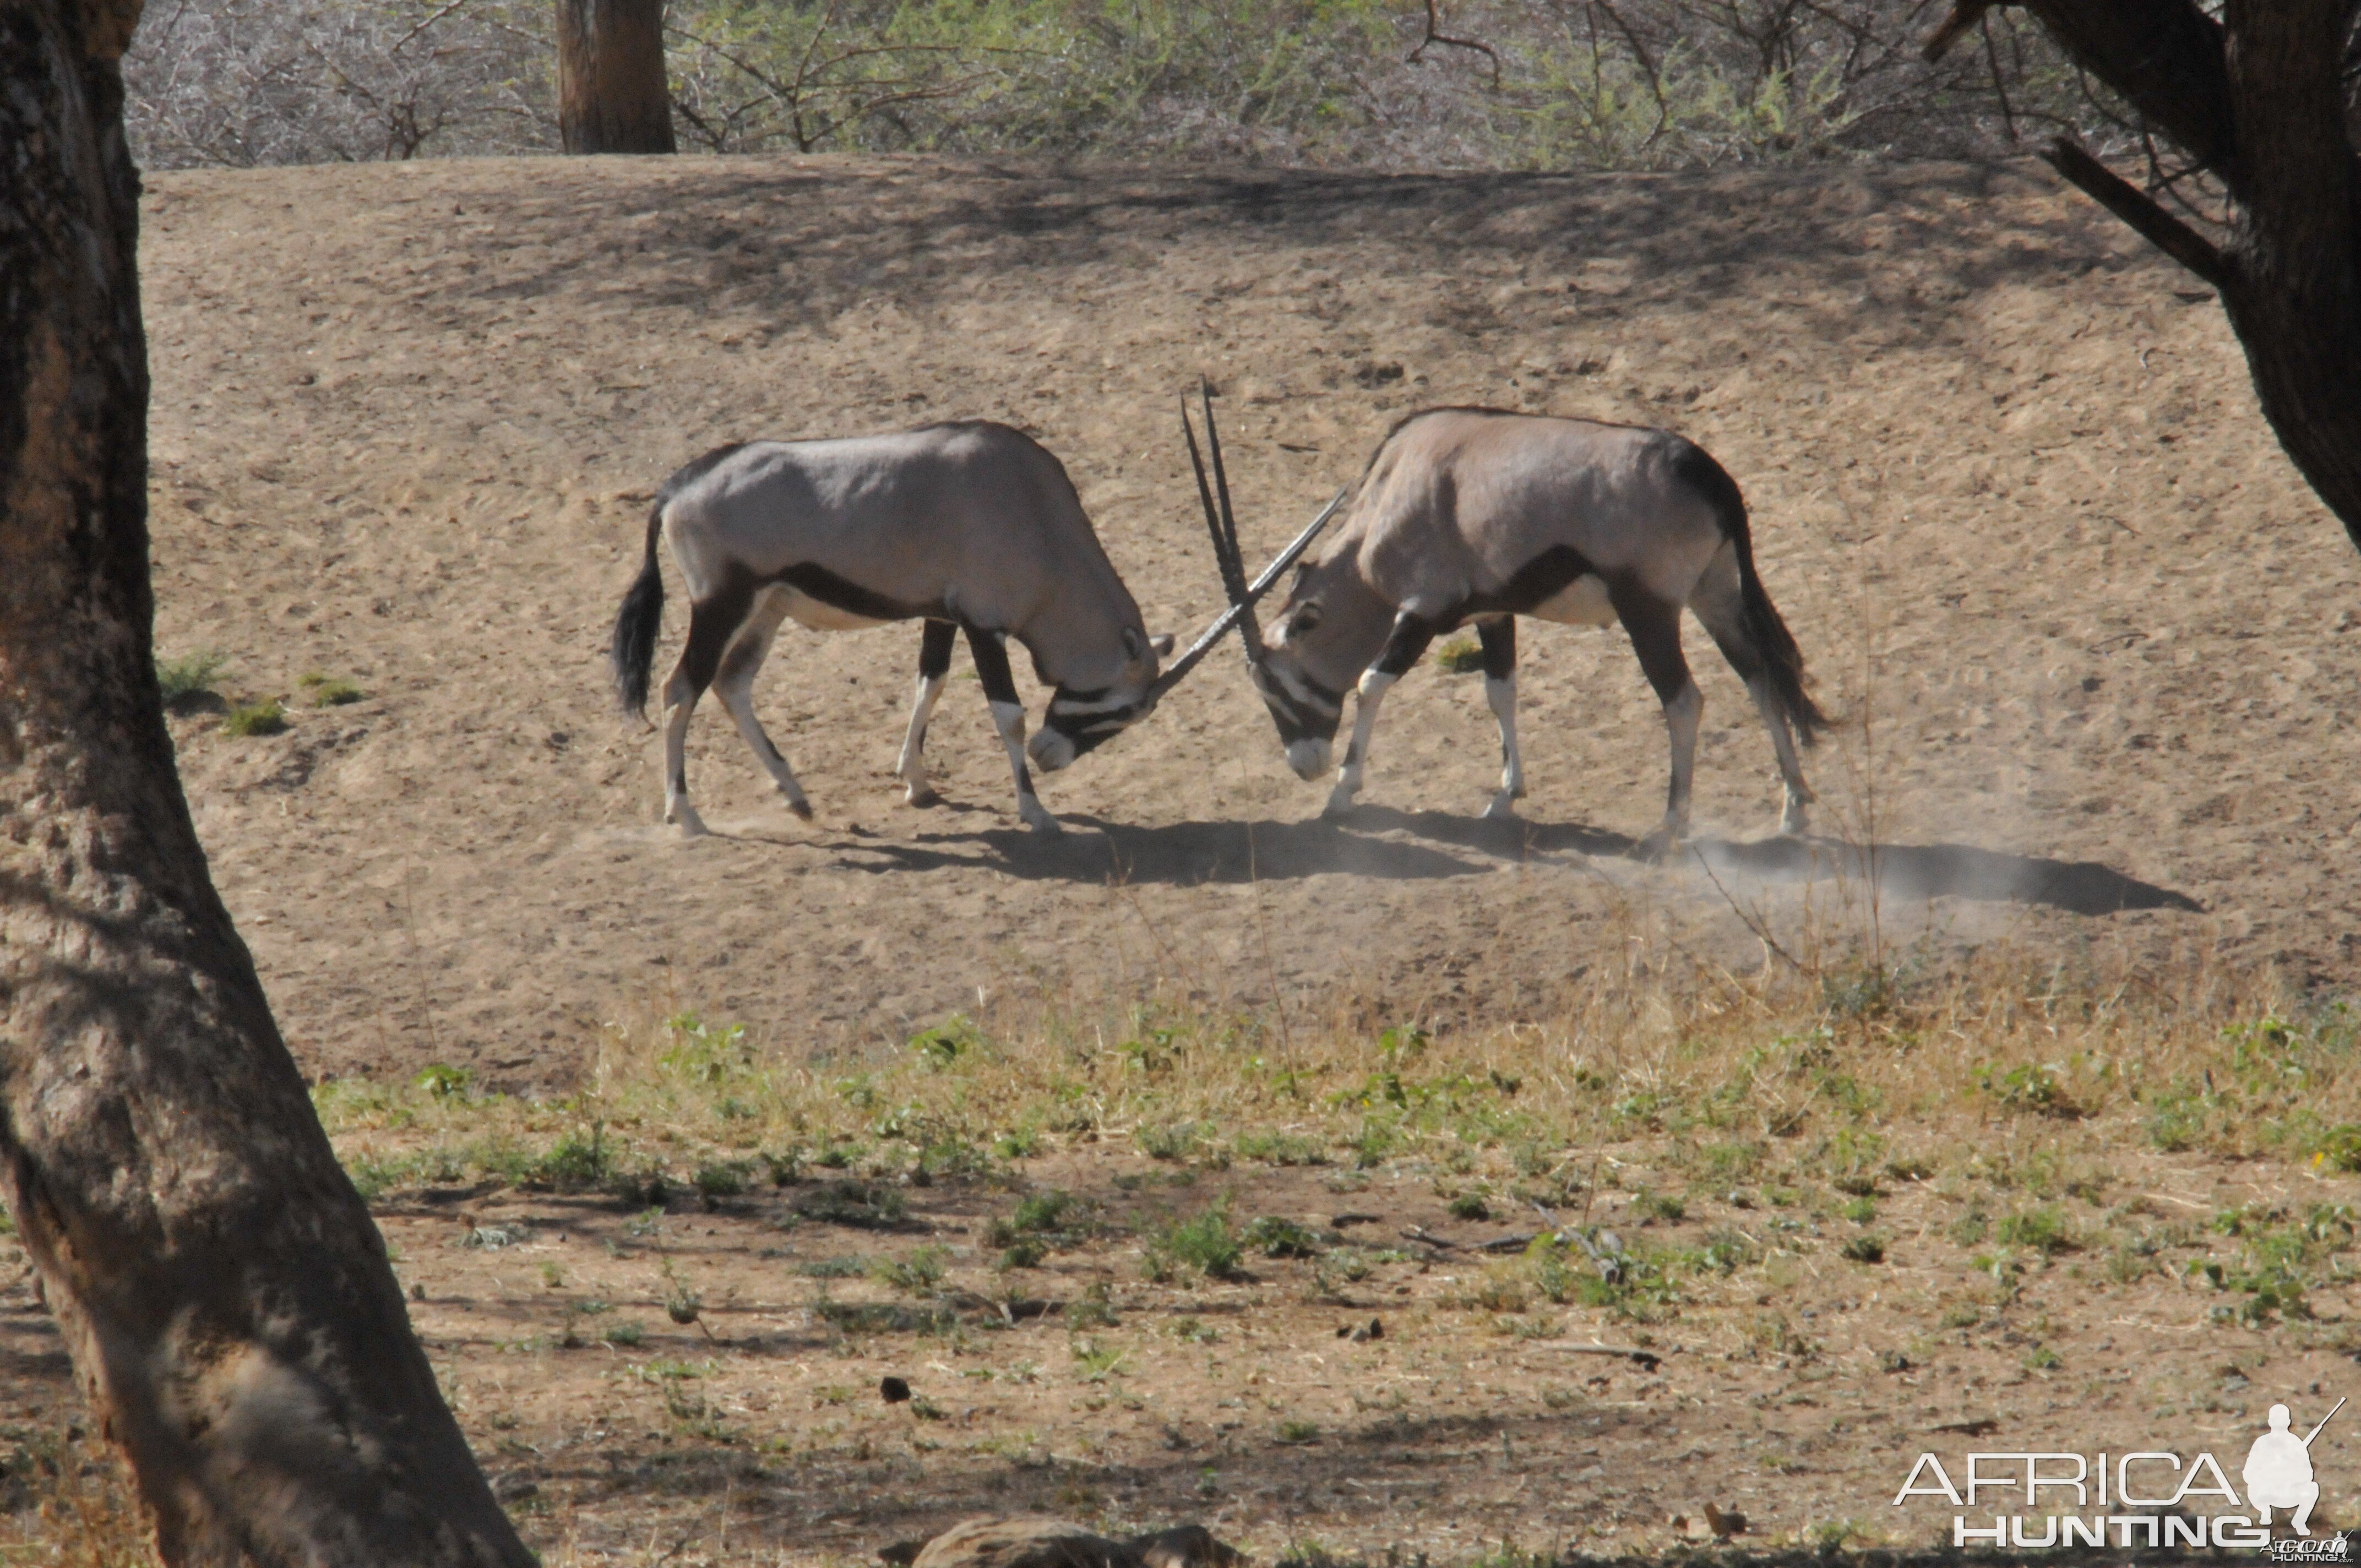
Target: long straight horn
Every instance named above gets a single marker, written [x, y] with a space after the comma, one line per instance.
[1226, 530]
[1234, 560]
[1232, 577]
[1245, 605]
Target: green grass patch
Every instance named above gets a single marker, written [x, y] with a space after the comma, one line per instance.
[1204, 1245]
[189, 677]
[1460, 656]
[268, 717]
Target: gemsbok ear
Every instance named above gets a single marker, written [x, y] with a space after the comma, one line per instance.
[1162, 643]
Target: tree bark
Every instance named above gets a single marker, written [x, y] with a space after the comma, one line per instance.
[226, 1299]
[2256, 97]
[612, 95]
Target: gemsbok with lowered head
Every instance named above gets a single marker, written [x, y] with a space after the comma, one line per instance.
[1482, 515]
[972, 527]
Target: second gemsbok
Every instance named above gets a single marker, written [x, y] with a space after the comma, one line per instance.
[1483, 515]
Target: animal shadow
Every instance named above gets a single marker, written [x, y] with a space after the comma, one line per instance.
[1173, 854]
[1956, 870]
[1902, 870]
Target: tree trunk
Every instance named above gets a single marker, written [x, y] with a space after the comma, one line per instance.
[2257, 97]
[225, 1297]
[611, 96]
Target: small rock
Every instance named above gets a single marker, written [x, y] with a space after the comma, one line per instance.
[893, 1390]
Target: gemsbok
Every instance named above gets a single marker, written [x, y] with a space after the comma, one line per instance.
[1482, 515]
[972, 527]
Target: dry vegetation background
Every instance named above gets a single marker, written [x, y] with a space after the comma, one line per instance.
[1346, 84]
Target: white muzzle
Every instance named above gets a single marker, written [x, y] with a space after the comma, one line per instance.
[1308, 758]
[1049, 750]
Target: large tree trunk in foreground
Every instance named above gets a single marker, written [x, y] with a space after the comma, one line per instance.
[225, 1296]
[2258, 98]
[611, 96]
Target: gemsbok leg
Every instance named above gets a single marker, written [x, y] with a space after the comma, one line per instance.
[734, 684]
[1655, 631]
[712, 624]
[1402, 651]
[1499, 640]
[1008, 717]
[934, 665]
[1720, 606]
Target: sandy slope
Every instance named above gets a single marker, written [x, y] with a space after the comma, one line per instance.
[2010, 486]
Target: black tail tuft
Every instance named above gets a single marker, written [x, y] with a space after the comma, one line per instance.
[1773, 641]
[634, 649]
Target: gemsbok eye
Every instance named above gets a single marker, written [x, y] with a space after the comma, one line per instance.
[1305, 619]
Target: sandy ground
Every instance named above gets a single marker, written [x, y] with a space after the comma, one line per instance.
[2093, 641]
[1798, 1393]
[2091, 638]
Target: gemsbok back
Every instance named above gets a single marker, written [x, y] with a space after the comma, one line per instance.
[972, 527]
[1482, 515]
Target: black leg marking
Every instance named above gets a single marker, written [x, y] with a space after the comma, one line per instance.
[1405, 647]
[991, 665]
[711, 624]
[935, 649]
[1500, 641]
[1655, 632]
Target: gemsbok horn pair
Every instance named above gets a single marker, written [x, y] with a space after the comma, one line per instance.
[1482, 515]
[972, 527]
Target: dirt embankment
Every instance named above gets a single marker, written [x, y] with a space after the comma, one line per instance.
[2091, 638]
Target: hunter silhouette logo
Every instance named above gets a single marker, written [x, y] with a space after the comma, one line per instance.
[2278, 1470]
[2148, 1498]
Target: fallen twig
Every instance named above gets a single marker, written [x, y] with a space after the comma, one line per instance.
[1647, 1359]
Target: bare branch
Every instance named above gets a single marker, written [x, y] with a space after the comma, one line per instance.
[1436, 35]
[2127, 201]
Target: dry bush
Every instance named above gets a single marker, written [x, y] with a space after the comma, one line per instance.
[1577, 83]
[246, 82]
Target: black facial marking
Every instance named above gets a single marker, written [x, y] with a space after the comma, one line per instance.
[1297, 721]
[819, 583]
[935, 649]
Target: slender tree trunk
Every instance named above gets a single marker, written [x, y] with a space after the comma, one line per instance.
[611, 96]
[226, 1299]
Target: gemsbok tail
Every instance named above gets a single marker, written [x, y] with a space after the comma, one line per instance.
[634, 649]
[1772, 642]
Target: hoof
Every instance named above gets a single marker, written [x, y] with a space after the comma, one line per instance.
[923, 796]
[1658, 845]
[1340, 802]
[1794, 824]
[1043, 824]
[1502, 810]
[802, 808]
[684, 816]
